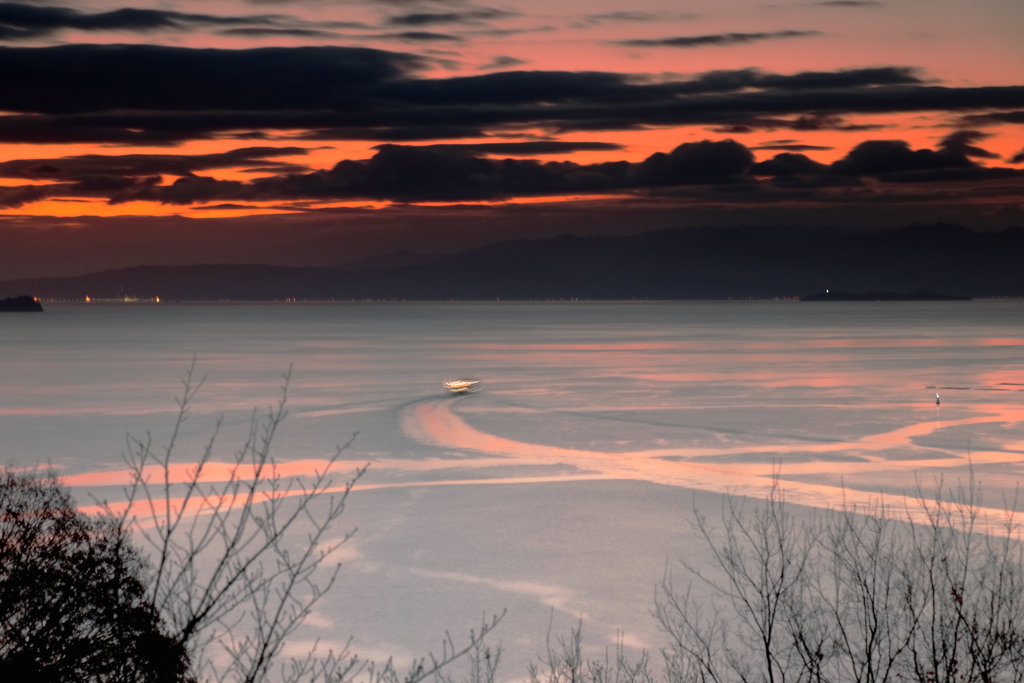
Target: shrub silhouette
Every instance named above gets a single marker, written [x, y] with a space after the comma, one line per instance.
[931, 591]
[72, 597]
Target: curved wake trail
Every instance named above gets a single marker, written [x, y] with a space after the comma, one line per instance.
[435, 423]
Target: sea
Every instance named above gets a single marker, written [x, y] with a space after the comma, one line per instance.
[563, 491]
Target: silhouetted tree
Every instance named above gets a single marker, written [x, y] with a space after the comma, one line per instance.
[73, 604]
[934, 594]
[564, 662]
[238, 560]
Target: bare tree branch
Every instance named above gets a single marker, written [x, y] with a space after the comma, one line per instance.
[226, 570]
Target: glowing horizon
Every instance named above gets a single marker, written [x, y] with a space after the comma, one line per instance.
[459, 92]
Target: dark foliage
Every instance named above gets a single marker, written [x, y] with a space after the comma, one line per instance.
[72, 599]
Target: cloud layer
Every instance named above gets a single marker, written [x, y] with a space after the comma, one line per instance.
[453, 173]
[20, 21]
[146, 94]
[719, 39]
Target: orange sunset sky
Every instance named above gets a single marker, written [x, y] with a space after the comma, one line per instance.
[313, 132]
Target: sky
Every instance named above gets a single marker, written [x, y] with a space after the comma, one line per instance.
[302, 132]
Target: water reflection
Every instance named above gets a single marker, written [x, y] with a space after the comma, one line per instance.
[705, 395]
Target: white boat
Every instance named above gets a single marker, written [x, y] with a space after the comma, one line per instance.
[462, 386]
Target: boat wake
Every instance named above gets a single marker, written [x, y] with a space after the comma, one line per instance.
[436, 423]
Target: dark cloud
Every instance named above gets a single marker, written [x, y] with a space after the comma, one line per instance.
[992, 118]
[226, 207]
[21, 21]
[140, 94]
[277, 169]
[453, 173]
[1018, 157]
[87, 78]
[788, 164]
[98, 78]
[414, 3]
[502, 62]
[807, 122]
[634, 16]
[625, 16]
[831, 3]
[884, 157]
[258, 32]
[404, 133]
[719, 39]
[15, 197]
[419, 37]
[961, 141]
[531, 148]
[754, 79]
[707, 171]
[506, 32]
[415, 174]
[97, 175]
[89, 165]
[789, 147]
[817, 80]
[894, 161]
[471, 17]
[91, 129]
[697, 161]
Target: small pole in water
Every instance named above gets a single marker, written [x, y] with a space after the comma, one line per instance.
[937, 401]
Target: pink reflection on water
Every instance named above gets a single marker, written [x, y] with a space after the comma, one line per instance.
[907, 343]
[764, 379]
[625, 346]
[754, 345]
[436, 423]
[179, 473]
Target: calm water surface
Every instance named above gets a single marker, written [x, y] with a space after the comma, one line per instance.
[564, 484]
[685, 393]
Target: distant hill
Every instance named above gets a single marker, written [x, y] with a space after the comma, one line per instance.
[20, 304]
[668, 264]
